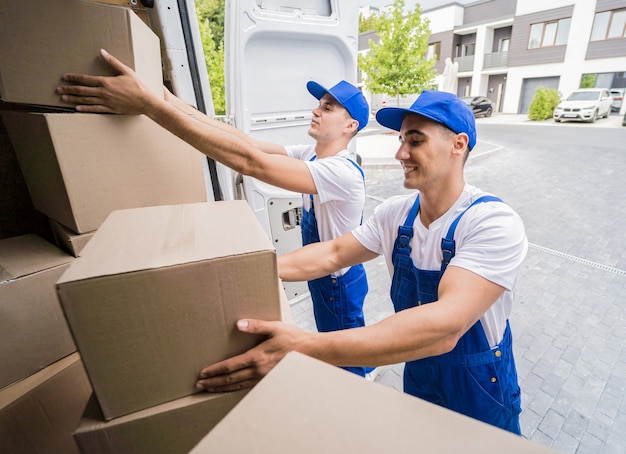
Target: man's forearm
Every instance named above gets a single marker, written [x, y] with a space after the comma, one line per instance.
[218, 143]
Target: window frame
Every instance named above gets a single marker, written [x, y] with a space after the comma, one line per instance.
[607, 29]
[550, 33]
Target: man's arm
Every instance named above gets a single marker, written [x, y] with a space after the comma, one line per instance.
[420, 332]
[322, 258]
[125, 94]
[266, 147]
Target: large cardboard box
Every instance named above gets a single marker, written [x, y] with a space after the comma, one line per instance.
[42, 40]
[32, 325]
[156, 293]
[171, 428]
[39, 413]
[80, 167]
[306, 406]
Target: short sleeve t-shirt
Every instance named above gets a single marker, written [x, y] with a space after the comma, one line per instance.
[490, 241]
[340, 194]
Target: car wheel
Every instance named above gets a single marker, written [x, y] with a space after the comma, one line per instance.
[557, 120]
[488, 112]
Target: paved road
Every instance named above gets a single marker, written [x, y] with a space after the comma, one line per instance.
[569, 316]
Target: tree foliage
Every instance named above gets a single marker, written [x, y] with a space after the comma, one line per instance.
[368, 24]
[397, 65]
[588, 81]
[543, 104]
[210, 15]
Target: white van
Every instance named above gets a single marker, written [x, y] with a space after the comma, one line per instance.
[272, 48]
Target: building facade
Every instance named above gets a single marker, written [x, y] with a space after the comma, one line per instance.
[506, 49]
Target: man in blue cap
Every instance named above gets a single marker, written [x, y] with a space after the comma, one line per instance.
[332, 183]
[453, 253]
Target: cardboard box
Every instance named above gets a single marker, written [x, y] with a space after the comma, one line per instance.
[41, 41]
[171, 428]
[306, 406]
[34, 331]
[71, 242]
[80, 167]
[39, 413]
[155, 296]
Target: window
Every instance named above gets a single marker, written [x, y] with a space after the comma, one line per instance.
[434, 51]
[547, 34]
[467, 50]
[503, 45]
[608, 25]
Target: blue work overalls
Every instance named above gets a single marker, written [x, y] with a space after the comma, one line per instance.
[473, 379]
[337, 300]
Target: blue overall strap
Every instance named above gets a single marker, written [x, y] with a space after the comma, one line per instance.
[405, 232]
[311, 195]
[448, 247]
[358, 167]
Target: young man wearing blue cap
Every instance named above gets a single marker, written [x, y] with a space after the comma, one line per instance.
[453, 252]
[332, 183]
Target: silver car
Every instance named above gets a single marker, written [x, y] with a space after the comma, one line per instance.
[584, 104]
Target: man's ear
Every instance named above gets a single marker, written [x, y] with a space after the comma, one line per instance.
[461, 141]
[353, 126]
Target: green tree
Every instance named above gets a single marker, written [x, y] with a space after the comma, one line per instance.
[397, 65]
[588, 81]
[367, 24]
[210, 15]
[543, 104]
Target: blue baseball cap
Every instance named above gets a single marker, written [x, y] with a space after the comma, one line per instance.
[439, 106]
[348, 96]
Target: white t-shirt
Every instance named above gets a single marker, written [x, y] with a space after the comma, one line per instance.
[490, 241]
[340, 194]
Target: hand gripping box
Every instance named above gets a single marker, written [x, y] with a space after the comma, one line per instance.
[33, 330]
[306, 406]
[155, 295]
[80, 167]
[42, 40]
[173, 427]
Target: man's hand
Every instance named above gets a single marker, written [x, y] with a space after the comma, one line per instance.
[245, 370]
[122, 94]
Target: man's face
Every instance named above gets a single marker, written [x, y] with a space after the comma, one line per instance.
[330, 119]
[424, 152]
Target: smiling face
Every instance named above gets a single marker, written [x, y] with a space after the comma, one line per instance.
[330, 120]
[429, 153]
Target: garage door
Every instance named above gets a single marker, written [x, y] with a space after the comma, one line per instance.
[529, 86]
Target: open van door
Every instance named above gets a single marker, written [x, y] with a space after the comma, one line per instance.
[272, 48]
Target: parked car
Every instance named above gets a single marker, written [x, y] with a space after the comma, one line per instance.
[618, 97]
[480, 105]
[584, 104]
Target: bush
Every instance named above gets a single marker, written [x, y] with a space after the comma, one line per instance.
[543, 104]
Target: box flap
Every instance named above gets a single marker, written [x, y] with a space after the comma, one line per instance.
[155, 237]
[28, 254]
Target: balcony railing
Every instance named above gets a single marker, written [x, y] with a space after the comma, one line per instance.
[496, 60]
[465, 63]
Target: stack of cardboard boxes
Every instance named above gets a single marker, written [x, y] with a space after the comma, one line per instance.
[80, 167]
[157, 297]
[43, 386]
[152, 300]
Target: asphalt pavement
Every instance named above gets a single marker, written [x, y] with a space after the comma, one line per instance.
[569, 335]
